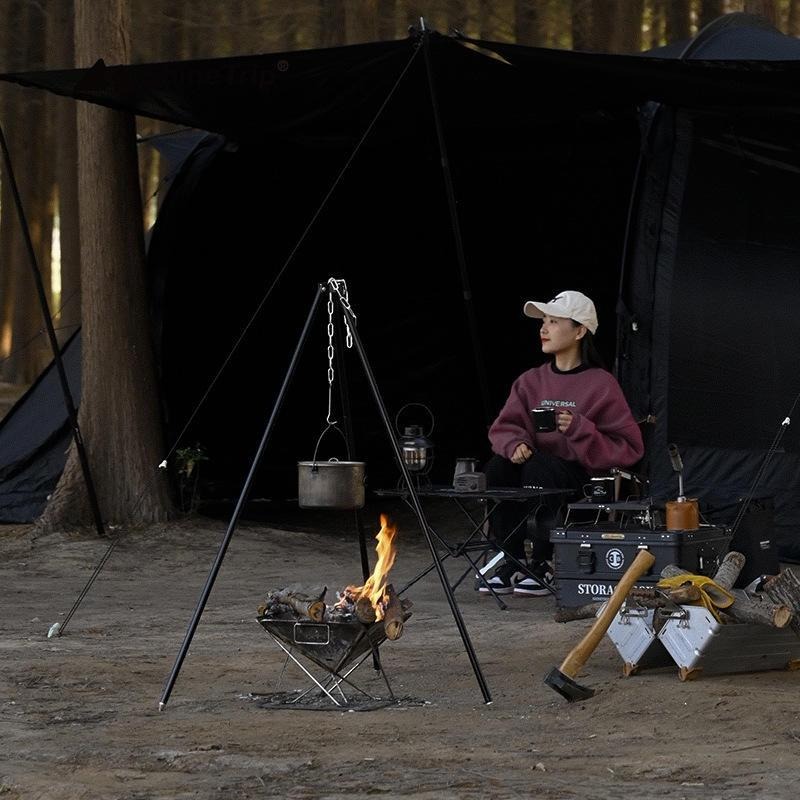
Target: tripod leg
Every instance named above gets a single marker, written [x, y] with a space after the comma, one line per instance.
[239, 506]
[347, 417]
[459, 620]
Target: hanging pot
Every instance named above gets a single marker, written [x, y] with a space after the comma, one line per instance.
[330, 484]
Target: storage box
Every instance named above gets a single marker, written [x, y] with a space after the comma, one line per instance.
[700, 645]
[633, 633]
[590, 559]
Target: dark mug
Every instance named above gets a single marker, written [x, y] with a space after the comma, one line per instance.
[544, 419]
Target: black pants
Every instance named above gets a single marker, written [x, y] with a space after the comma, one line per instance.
[541, 469]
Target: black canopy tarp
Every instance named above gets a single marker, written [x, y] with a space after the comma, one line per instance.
[543, 148]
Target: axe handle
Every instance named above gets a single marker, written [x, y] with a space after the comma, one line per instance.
[580, 653]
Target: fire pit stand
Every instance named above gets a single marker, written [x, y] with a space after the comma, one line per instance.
[337, 289]
[333, 646]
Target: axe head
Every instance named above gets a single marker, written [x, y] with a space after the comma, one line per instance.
[568, 688]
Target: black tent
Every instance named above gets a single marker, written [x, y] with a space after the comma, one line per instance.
[543, 148]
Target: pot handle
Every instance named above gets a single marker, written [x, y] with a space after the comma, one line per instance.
[335, 427]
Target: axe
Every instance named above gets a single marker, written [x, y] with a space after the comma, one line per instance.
[563, 679]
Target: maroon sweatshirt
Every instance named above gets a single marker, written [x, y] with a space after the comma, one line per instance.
[602, 433]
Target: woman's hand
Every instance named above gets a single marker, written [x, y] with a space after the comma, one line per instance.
[563, 420]
[521, 454]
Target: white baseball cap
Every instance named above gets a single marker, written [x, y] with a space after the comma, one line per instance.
[571, 305]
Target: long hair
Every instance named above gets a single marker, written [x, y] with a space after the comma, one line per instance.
[589, 352]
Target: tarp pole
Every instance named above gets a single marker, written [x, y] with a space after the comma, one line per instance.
[480, 365]
[51, 335]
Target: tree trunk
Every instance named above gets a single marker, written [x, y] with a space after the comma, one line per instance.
[628, 27]
[678, 23]
[657, 35]
[528, 26]
[119, 413]
[793, 18]
[387, 20]
[331, 23]
[361, 21]
[709, 11]
[764, 8]
[604, 14]
[581, 24]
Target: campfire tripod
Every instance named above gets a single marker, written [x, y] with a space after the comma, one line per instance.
[333, 290]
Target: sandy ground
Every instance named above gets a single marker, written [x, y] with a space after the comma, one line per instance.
[80, 712]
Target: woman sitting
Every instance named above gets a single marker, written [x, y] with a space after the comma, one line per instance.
[594, 431]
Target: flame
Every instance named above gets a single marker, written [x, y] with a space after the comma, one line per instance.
[375, 586]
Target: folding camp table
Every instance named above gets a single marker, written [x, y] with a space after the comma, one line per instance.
[477, 536]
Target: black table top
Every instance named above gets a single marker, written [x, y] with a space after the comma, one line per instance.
[495, 493]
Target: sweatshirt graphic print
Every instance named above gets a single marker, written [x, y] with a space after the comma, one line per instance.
[602, 434]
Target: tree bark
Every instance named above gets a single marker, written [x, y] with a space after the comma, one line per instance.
[119, 413]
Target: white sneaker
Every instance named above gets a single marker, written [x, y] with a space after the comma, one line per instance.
[538, 586]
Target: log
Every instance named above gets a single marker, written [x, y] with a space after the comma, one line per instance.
[746, 608]
[785, 589]
[579, 612]
[364, 611]
[729, 569]
[393, 614]
[304, 605]
[672, 571]
[762, 611]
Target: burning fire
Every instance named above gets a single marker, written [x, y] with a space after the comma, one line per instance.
[375, 587]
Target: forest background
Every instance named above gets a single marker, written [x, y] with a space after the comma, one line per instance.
[76, 166]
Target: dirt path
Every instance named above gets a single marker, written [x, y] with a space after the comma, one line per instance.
[79, 713]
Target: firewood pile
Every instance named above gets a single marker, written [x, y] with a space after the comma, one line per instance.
[352, 606]
[775, 602]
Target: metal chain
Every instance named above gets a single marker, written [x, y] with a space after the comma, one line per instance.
[340, 287]
[330, 357]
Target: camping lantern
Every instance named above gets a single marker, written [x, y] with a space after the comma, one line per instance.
[416, 448]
